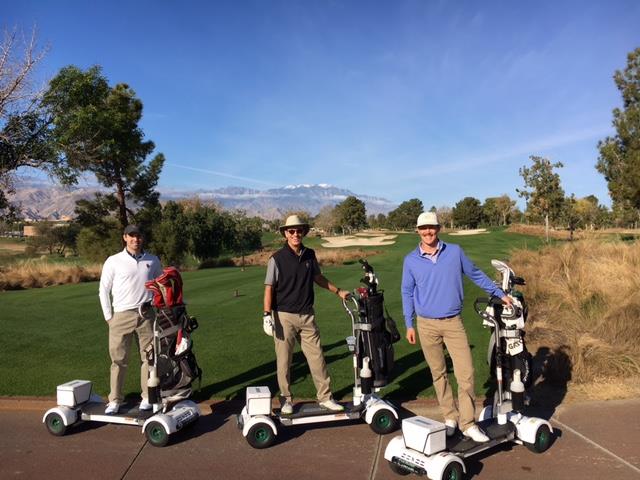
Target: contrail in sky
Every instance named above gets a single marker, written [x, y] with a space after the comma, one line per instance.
[222, 174]
[532, 148]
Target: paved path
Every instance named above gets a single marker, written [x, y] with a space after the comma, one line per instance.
[596, 440]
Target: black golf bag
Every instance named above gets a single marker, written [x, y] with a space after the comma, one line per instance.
[375, 330]
[175, 362]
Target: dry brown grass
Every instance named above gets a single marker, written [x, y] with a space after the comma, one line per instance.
[584, 303]
[325, 257]
[539, 231]
[38, 273]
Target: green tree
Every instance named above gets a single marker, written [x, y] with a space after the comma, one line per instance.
[95, 128]
[497, 210]
[543, 193]
[467, 212]
[247, 234]
[570, 214]
[351, 214]
[170, 240]
[490, 212]
[619, 159]
[96, 247]
[405, 216]
[206, 231]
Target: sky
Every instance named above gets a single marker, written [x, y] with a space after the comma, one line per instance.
[428, 99]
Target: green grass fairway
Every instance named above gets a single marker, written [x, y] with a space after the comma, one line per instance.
[53, 335]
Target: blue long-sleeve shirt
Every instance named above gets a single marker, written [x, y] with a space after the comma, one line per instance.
[433, 288]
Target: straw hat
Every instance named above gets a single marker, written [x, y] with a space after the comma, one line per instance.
[427, 218]
[294, 221]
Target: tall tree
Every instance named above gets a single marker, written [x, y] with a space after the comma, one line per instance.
[326, 219]
[95, 127]
[352, 214]
[543, 193]
[24, 127]
[468, 212]
[619, 159]
[505, 207]
[445, 216]
[405, 216]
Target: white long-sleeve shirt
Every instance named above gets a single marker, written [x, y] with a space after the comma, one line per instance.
[124, 277]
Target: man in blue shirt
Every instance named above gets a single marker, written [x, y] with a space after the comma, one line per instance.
[432, 291]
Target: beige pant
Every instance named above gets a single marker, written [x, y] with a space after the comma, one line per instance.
[122, 328]
[288, 328]
[451, 332]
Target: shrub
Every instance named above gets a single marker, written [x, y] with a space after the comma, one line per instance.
[35, 273]
[583, 297]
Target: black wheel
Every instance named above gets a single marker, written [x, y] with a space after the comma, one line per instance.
[55, 424]
[261, 436]
[384, 421]
[543, 440]
[395, 468]
[453, 471]
[156, 434]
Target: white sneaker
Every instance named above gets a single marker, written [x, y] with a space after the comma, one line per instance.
[112, 407]
[475, 434]
[287, 408]
[332, 405]
[451, 425]
[145, 405]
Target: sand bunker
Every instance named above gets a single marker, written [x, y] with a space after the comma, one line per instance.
[359, 240]
[470, 232]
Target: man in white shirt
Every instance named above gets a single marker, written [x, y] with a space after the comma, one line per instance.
[123, 276]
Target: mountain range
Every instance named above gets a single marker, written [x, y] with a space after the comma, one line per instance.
[40, 200]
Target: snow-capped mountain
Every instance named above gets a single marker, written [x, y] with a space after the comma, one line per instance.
[39, 200]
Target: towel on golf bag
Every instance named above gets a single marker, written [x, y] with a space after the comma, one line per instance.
[377, 343]
[177, 365]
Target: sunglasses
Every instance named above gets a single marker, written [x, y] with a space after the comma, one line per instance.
[292, 231]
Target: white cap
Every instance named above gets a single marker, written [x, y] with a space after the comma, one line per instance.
[427, 218]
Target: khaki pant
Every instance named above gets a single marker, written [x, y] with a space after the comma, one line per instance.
[122, 328]
[288, 328]
[433, 333]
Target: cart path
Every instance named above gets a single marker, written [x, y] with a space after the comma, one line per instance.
[588, 440]
[594, 440]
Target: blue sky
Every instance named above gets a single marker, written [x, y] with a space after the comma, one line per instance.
[436, 100]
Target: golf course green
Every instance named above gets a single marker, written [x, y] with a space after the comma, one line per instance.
[56, 334]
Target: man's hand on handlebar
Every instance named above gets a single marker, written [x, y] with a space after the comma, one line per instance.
[343, 294]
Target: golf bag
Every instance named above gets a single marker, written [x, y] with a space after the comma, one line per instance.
[175, 361]
[512, 351]
[375, 330]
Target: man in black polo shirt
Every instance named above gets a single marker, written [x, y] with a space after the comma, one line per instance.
[288, 293]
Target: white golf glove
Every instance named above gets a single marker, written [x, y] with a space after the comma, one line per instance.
[267, 324]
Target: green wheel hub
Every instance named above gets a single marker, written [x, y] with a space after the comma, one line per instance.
[261, 435]
[55, 423]
[157, 434]
[384, 421]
